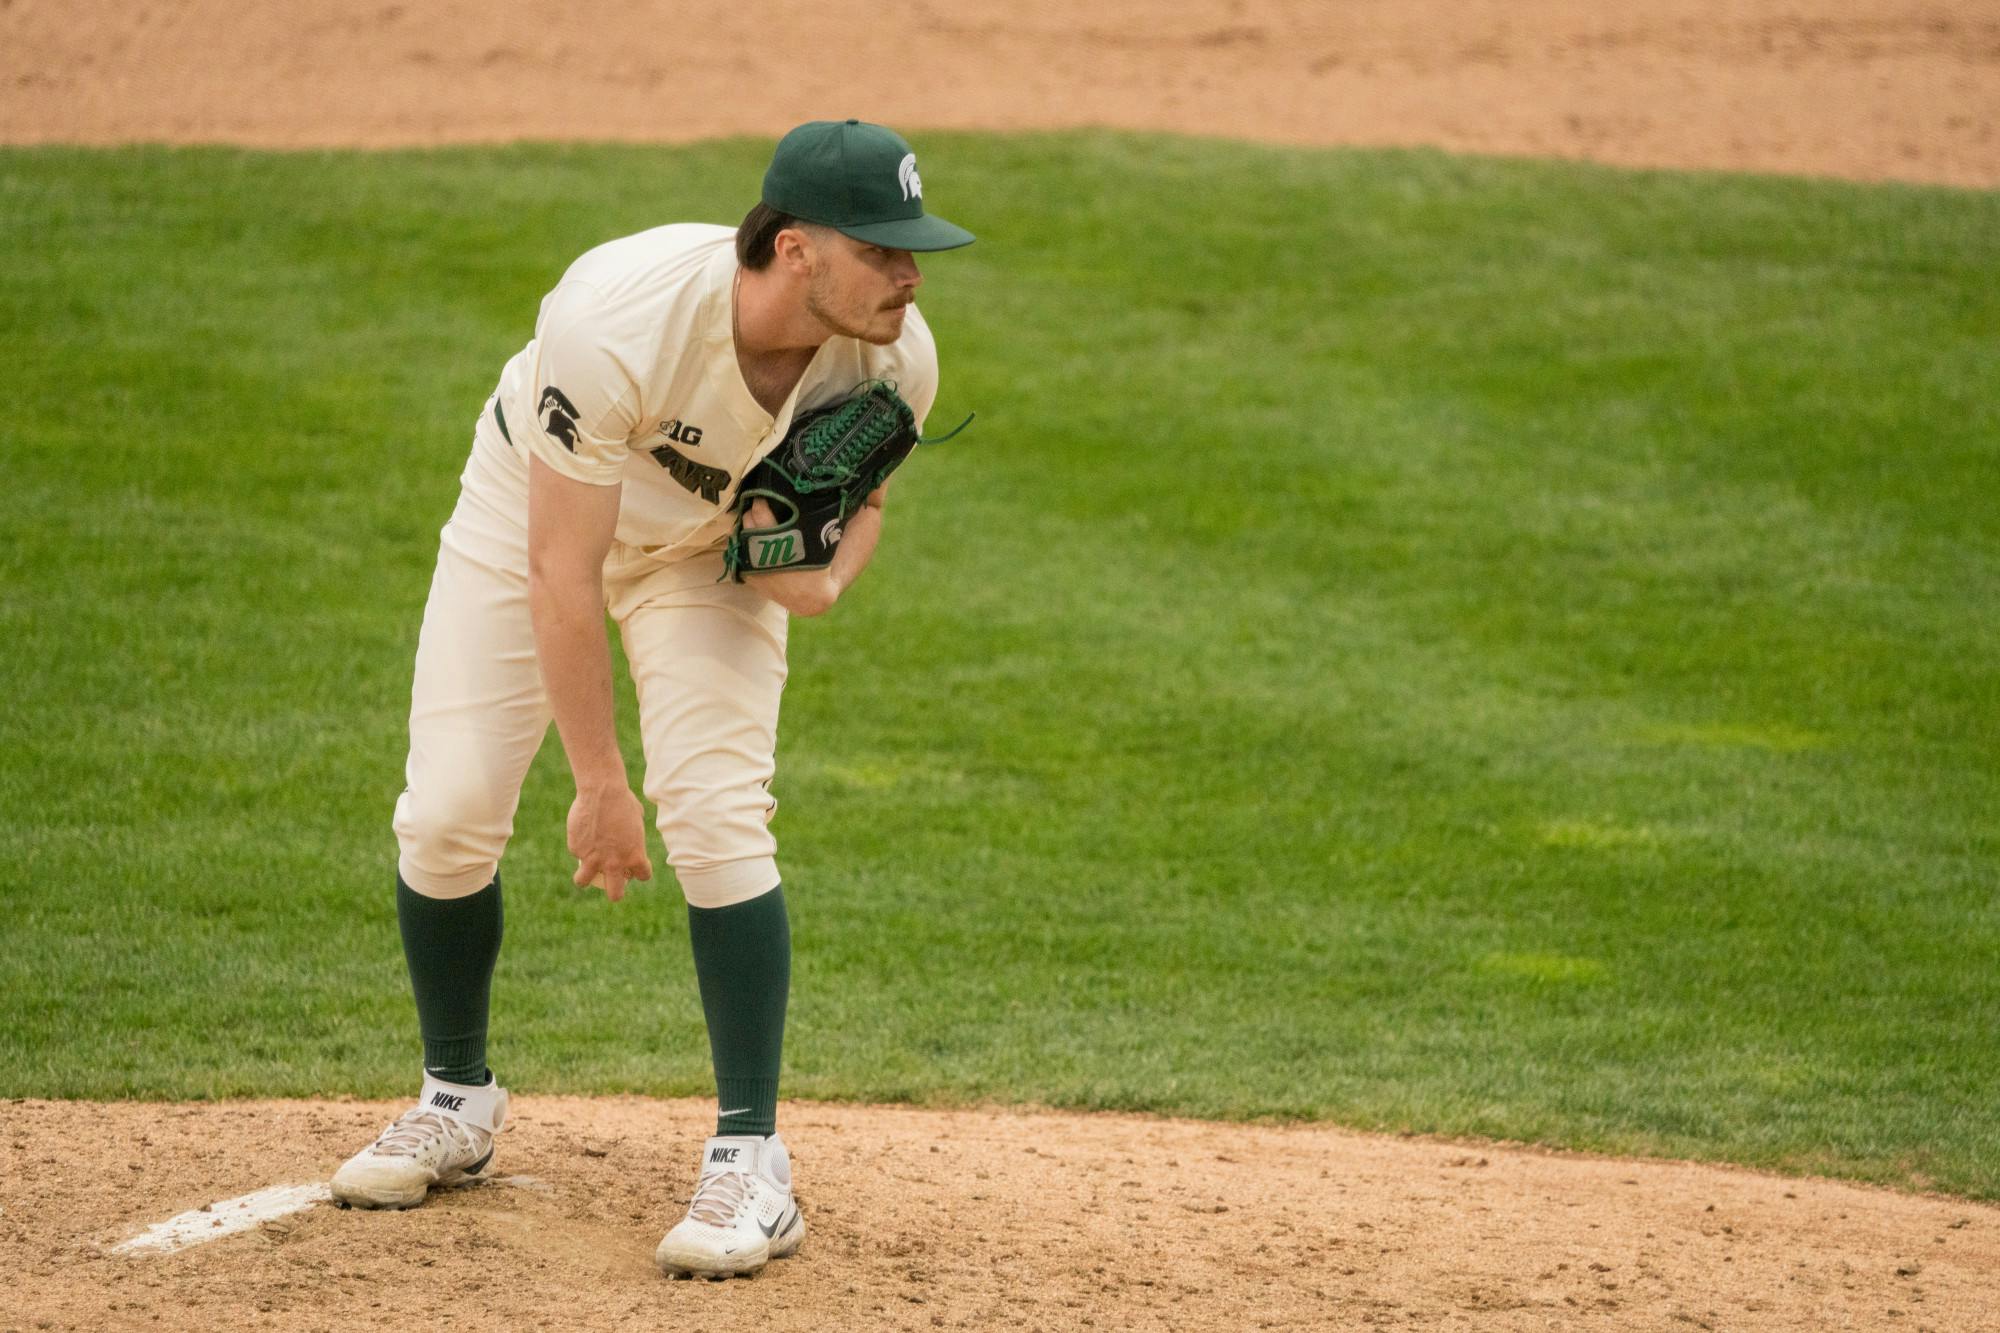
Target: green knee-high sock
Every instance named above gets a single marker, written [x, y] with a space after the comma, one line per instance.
[743, 960]
[451, 945]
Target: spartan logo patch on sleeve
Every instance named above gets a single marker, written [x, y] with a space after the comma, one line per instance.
[705, 481]
[558, 416]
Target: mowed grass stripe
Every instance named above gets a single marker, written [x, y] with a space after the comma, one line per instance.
[1436, 644]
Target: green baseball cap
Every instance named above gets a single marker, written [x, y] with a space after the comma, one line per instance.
[859, 179]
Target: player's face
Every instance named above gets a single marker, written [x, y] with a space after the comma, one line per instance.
[861, 290]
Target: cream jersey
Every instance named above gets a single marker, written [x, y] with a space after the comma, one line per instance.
[632, 378]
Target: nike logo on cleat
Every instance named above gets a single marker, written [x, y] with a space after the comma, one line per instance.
[784, 1219]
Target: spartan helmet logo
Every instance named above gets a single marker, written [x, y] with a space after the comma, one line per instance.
[558, 416]
[906, 176]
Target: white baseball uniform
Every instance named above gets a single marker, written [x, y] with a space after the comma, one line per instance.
[631, 378]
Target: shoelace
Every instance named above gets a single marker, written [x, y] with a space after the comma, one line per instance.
[720, 1197]
[407, 1137]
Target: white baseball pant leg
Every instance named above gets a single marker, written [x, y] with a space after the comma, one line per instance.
[708, 659]
[478, 711]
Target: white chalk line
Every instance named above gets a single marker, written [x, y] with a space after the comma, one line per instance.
[223, 1219]
[230, 1216]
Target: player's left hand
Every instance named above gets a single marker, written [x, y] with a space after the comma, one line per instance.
[803, 592]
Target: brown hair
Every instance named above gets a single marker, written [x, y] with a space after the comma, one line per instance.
[757, 237]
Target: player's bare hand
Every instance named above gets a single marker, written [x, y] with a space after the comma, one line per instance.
[607, 836]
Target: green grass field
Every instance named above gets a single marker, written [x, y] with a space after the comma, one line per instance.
[1462, 646]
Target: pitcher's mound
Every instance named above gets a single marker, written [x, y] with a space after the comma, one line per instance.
[972, 1219]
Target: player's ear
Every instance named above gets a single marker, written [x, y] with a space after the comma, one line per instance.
[793, 247]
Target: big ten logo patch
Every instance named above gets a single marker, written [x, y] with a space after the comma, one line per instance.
[680, 432]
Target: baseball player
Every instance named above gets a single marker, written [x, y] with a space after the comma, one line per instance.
[604, 477]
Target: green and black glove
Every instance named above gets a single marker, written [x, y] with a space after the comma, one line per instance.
[819, 476]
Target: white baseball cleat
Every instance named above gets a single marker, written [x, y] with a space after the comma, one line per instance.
[445, 1139]
[743, 1213]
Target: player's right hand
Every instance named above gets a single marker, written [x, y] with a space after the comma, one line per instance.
[607, 836]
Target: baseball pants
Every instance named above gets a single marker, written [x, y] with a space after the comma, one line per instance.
[708, 660]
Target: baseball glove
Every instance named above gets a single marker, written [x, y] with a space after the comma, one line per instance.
[820, 474]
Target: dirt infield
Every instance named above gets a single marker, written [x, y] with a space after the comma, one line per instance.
[1871, 89]
[984, 1219]
[965, 1220]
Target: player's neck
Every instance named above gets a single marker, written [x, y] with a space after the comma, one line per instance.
[771, 320]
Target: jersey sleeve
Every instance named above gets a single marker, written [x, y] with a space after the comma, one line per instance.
[584, 393]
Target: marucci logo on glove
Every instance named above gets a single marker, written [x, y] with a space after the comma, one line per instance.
[558, 416]
[775, 552]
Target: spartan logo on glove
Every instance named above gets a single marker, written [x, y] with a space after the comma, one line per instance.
[705, 481]
[558, 416]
